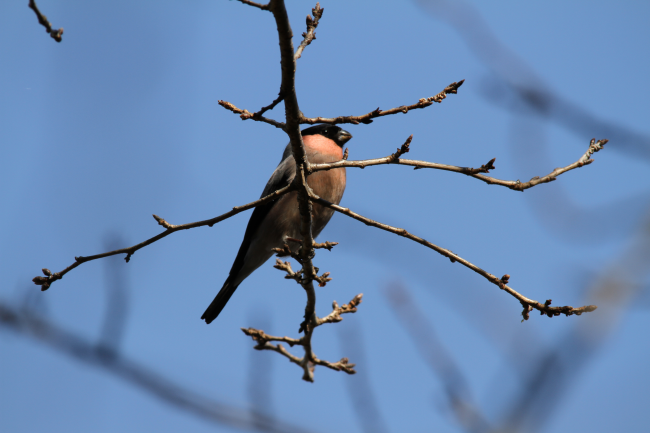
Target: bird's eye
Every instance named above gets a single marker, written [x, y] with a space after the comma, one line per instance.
[325, 131]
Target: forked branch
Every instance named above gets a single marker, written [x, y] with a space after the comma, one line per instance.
[309, 361]
[365, 118]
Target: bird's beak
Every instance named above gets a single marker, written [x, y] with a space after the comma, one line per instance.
[343, 137]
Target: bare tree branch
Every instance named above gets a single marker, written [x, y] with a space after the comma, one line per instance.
[310, 35]
[585, 159]
[245, 114]
[528, 304]
[293, 116]
[46, 282]
[423, 335]
[56, 34]
[309, 360]
[264, 7]
[367, 118]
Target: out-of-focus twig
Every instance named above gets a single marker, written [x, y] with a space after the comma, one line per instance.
[517, 86]
[117, 301]
[552, 374]
[441, 363]
[361, 386]
[70, 344]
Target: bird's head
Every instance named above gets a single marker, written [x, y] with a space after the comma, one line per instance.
[337, 135]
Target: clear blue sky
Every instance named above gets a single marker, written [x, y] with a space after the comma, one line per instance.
[121, 120]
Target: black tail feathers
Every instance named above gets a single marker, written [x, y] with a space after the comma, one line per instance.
[219, 302]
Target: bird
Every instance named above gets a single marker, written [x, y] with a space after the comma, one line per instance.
[272, 223]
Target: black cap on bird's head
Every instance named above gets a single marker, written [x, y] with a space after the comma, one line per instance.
[333, 132]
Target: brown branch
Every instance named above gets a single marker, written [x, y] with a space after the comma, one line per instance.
[286, 267]
[264, 7]
[335, 315]
[310, 35]
[56, 34]
[585, 159]
[258, 115]
[309, 360]
[326, 245]
[292, 128]
[367, 118]
[261, 337]
[528, 304]
[293, 116]
[245, 114]
[50, 277]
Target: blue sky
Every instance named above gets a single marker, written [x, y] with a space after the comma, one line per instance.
[120, 121]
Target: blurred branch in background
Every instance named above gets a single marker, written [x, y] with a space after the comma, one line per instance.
[28, 321]
[423, 335]
[360, 386]
[556, 210]
[48, 333]
[548, 374]
[556, 371]
[117, 299]
[515, 85]
[260, 376]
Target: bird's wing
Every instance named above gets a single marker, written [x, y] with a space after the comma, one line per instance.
[281, 177]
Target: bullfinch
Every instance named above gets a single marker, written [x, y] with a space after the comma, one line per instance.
[272, 223]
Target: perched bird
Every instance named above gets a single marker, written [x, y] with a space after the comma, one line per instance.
[272, 223]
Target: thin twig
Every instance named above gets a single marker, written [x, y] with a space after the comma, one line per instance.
[258, 115]
[50, 277]
[55, 34]
[264, 7]
[335, 315]
[528, 304]
[310, 35]
[367, 118]
[245, 114]
[585, 159]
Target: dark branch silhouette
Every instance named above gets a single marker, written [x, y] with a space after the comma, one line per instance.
[56, 34]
